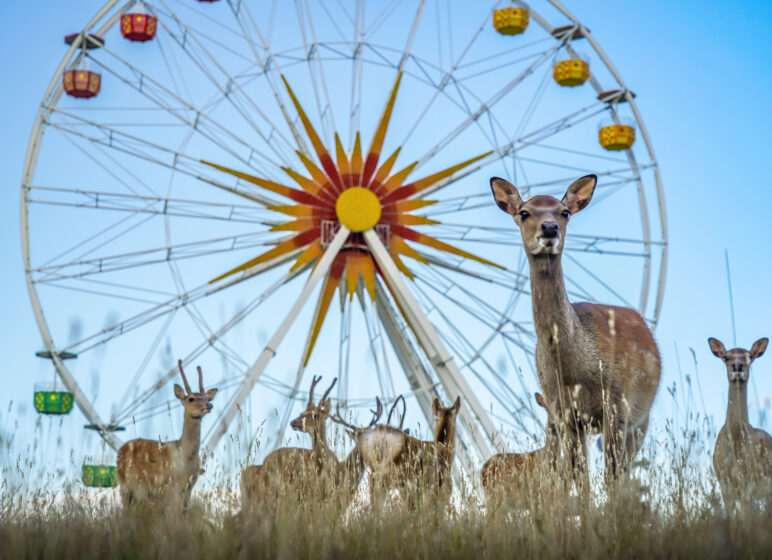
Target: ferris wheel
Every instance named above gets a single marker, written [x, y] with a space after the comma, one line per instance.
[275, 190]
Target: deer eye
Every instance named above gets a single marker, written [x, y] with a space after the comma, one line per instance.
[566, 214]
[191, 399]
[524, 215]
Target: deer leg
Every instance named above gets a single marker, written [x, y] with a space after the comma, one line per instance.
[634, 441]
[614, 438]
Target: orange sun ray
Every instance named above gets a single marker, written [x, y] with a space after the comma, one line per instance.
[401, 246]
[294, 194]
[301, 224]
[356, 162]
[309, 185]
[406, 205]
[395, 181]
[310, 253]
[411, 235]
[292, 209]
[380, 133]
[325, 297]
[355, 267]
[385, 168]
[343, 164]
[417, 186]
[321, 151]
[282, 248]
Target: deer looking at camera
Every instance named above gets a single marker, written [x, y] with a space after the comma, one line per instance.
[150, 470]
[742, 457]
[304, 475]
[598, 365]
[505, 475]
[419, 469]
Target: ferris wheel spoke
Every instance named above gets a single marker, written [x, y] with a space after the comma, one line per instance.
[230, 89]
[236, 319]
[172, 103]
[380, 18]
[104, 264]
[485, 107]
[269, 65]
[142, 204]
[172, 304]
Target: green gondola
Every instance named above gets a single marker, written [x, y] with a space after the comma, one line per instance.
[99, 476]
[53, 402]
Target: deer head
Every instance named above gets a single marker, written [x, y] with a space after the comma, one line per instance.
[738, 360]
[543, 219]
[445, 429]
[315, 415]
[196, 405]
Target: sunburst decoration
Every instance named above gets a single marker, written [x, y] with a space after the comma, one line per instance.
[358, 193]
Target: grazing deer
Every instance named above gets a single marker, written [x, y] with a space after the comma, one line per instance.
[598, 365]
[742, 457]
[150, 470]
[419, 469]
[307, 475]
[505, 475]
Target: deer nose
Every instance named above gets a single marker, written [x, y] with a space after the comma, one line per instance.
[738, 367]
[549, 229]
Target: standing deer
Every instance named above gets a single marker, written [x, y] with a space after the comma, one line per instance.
[419, 469]
[150, 470]
[742, 457]
[304, 475]
[598, 365]
[505, 475]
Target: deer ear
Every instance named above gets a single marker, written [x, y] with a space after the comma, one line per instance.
[506, 196]
[579, 193]
[540, 400]
[759, 347]
[178, 392]
[436, 406]
[717, 347]
[457, 405]
[325, 405]
[211, 393]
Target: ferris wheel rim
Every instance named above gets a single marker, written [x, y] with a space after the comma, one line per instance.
[30, 165]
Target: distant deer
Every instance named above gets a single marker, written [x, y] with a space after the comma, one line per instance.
[310, 475]
[505, 475]
[150, 470]
[598, 365]
[419, 469]
[742, 457]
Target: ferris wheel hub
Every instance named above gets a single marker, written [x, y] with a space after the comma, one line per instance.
[358, 208]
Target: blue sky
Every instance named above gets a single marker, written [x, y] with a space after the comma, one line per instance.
[699, 70]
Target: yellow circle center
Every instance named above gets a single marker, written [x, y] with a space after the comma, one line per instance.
[358, 208]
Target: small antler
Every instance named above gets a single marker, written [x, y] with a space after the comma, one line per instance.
[314, 382]
[327, 392]
[184, 379]
[404, 411]
[376, 416]
[200, 380]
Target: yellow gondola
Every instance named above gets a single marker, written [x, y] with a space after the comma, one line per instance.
[616, 136]
[510, 21]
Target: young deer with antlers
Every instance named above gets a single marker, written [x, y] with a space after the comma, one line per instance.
[309, 475]
[419, 469]
[150, 470]
[598, 365]
[505, 475]
[742, 457]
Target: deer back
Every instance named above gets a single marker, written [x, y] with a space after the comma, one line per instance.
[144, 462]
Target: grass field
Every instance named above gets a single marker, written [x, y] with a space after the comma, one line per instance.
[669, 507]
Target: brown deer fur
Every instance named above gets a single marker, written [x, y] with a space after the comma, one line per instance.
[419, 469]
[303, 475]
[598, 365]
[742, 457]
[505, 475]
[154, 471]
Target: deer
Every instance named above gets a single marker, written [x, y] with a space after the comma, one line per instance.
[150, 470]
[742, 458]
[598, 365]
[307, 475]
[505, 475]
[396, 460]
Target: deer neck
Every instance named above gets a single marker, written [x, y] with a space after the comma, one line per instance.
[737, 410]
[319, 438]
[191, 436]
[555, 320]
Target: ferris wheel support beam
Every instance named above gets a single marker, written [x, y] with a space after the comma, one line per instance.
[420, 381]
[473, 415]
[254, 372]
